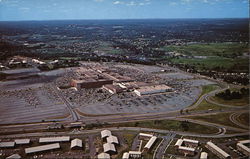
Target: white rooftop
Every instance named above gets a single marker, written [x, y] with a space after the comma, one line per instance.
[7, 144]
[179, 142]
[186, 148]
[125, 155]
[191, 141]
[105, 133]
[76, 143]
[155, 87]
[109, 147]
[150, 142]
[146, 135]
[218, 149]
[22, 141]
[103, 156]
[112, 139]
[42, 148]
[14, 156]
[203, 155]
[54, 139]
[134, 152]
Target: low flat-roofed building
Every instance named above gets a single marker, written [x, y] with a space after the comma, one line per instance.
[178, 143]
[22, 141]
[114, 88]
[7, 144]
[109, 148]
[217, 151]
[14, 156]
[150, 143]
[103, 156]
[190, 142]
[105, 133]
[76, 143]
[146, 90]
[204, 155]
[186, 150]
[135, 154]
[112, 139]
[144, 136]
[42, 148]
[243, 148]
[54, 139]
[125, 155]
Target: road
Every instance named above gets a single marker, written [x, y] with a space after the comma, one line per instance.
[159, 152]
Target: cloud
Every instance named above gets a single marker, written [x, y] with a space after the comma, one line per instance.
[118, 2]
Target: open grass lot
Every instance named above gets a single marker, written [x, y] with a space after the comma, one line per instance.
[209, 88]
[244, 118]
[220, 118]
[210, 49]
[204, 105]
[170, 125]
[234, 102]
[221, 63]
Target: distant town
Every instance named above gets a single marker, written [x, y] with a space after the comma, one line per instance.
[125, 89]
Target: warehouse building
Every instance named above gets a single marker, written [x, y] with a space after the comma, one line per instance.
[7, 144]
[54, 139]
[22, 141]
[113, 140]
[150, 143]
[241, 146]
[103, 156]
[109, 148]
[114, 88]
[42, 148]
[105, 134]
[204, 155]
[147, 90]
[217, 151]
[178, 143]
[14, 156]
[76, 144]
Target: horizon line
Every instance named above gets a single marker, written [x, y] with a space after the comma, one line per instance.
[120, 19]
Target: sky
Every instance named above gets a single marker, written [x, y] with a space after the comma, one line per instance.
[17, 10]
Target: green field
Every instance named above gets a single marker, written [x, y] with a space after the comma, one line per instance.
[244, 118]
[170, 125]
[217, 56]
[221, 118]
[210, 49]
[209, 88]
[204, 105]
[234, 102]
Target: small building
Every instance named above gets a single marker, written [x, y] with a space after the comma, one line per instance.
[113, 140]
[42, 148]
[105, 134]
[135, 154]
[54, 139]
[191, 143]
[186, 150]
[178, 143]
[204, 155]
[14, 156]
[114, 88]
[150, 143]
[7, 144]
[125, 155]
[109, 148]
[146, 90]
[217, 151]
[22, 141]
[103, 156]
[144, 136]
[241, 146]
[76, 144]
